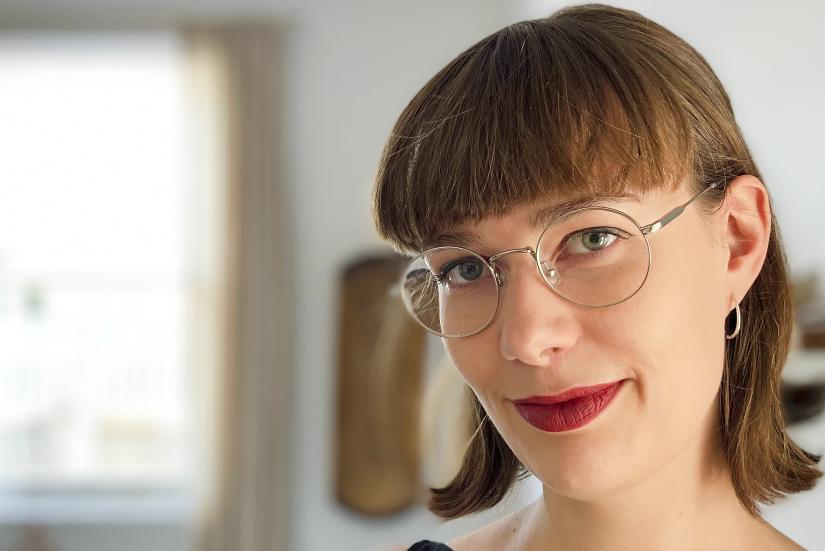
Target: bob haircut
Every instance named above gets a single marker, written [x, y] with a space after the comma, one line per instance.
[590, 100]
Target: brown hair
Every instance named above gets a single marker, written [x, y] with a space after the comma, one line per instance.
[590, 100]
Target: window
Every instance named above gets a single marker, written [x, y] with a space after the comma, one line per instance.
[92, 272]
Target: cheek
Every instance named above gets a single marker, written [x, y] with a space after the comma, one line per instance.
[682, 331]
[475, 359]
[479, 362]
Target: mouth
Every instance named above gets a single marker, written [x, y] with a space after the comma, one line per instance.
[569, 410]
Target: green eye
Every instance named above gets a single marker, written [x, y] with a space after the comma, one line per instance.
[594, 241]
[591, 240]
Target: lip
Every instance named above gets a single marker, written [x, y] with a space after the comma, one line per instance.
[566, 395]
[569, 410]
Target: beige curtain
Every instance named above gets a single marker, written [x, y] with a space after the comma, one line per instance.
[240, 307]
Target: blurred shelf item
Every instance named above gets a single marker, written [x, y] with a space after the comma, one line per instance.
[811, 327]
[809, 306]
[803, 385]
[802, 402]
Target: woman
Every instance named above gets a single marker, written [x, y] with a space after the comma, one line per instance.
[595, 245]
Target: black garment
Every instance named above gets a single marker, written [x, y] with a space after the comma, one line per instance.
[427, 545]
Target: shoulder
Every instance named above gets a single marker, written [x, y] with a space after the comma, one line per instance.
[504, 533]
[500, 534]
[775, 540]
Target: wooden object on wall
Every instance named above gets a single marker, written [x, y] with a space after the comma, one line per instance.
[380, 372]
[33, 538]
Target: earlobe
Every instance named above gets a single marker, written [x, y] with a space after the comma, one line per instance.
[747, 228]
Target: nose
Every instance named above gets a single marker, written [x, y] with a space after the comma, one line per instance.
[537, 327]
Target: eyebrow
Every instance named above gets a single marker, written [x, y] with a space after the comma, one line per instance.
[543, 216]
[537, 220]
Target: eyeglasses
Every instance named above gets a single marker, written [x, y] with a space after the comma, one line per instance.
[590, 256]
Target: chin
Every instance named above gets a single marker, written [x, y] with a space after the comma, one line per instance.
[584, 476]
[581, 466]
[584, 484]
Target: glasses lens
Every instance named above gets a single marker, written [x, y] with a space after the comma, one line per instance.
[451, 291]
[594, 257]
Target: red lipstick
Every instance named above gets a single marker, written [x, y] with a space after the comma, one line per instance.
[569, 410]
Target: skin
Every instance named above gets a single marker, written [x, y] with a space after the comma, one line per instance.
[648, 472]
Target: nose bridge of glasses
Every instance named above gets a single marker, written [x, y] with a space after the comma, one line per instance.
[545, 268]
[511, 251]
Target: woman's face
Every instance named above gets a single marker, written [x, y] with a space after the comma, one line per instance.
[666, 342]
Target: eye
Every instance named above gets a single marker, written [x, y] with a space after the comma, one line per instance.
[463, 270]
[591, 240]
[595, 241]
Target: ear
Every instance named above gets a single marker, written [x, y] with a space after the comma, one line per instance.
[746, 230]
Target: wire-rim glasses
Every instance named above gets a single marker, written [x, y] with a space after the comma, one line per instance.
[591, 256]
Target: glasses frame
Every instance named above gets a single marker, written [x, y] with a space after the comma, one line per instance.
[645, 230]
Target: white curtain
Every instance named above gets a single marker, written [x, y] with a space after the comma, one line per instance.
[240, 307]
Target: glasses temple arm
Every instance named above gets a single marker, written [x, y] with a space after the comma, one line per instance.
[674, 213]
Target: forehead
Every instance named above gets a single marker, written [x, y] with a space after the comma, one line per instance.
[535, 215]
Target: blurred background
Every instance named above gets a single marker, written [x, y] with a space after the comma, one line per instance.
[197, 348]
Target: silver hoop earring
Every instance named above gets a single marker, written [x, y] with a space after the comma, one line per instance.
[738, 323]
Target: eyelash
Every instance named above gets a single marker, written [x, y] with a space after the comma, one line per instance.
[598, 229]
[607, 230]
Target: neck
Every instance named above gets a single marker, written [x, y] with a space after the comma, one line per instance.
[690, 503]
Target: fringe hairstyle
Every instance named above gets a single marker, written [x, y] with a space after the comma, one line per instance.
[590, 100]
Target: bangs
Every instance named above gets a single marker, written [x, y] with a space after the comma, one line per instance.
[554, 108]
